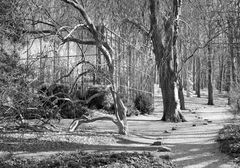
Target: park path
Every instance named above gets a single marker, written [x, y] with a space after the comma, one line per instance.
[191, 146]
[194, 143]
[196, 147]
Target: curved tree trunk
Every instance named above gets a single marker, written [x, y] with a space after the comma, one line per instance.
[120, 112]
[120, 109]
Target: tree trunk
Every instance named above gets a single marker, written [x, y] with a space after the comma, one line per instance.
[194, 73]
[198, 81]
[229, 76]
[181, 95]
[189, 83]
[171, 111]
[167, 51]
[238, 64]
[185, 69]
[232, 64]
[210, 87]
[120, 112]
[221, 72]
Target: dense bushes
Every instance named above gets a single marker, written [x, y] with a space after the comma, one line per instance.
[229, 140]
[90, 160]
[57, 97]
[15, 97]
[103, 100]
[144, 104]
[234, 98]
[18, 101]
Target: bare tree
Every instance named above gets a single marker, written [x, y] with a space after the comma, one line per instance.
[60, 22]
[120, 109]
[164, 33]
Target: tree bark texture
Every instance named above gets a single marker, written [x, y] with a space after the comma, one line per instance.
[166, 58]
[210, 87]
[231, 48]
[221, 68]
[181, 95]
[232, 63]
[194, 73]
[198, 80]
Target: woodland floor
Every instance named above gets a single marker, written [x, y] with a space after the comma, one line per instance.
[193, 144]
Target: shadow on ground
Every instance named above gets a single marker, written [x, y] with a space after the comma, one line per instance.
[199, 156]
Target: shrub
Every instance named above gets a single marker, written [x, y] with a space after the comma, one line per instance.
[131, 109]
[57, 98]
[87, 160]
[143, 104]
[235, 98]
[229, 141]
[17, 101]
[103, 101]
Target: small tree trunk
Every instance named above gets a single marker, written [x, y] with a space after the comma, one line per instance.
[210, 87]
[189, 84]
[185, 70]
[221, 67]
[233, 66]
[120, 112]
[181, 95]
[228, 78]
[194, 73]
[198, 81]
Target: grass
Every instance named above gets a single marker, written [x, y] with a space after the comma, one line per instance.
[90, 160]
[229, 140]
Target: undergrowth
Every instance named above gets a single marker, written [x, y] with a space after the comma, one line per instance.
[144, 104]
[90, 160]
[229, 141]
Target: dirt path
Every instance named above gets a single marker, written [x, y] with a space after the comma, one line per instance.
[192, 146]
[195, 147]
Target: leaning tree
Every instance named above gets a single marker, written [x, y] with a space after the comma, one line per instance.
[60, 21]
[103, 46]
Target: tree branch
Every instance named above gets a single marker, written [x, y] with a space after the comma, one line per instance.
[71, 32]
[39, 31]
[76, 123]
[35, 22]
[93, 30]
[70, 72]
[85, 42]
[75, 82]
[197, 48]
[80, 8]
[137, 25]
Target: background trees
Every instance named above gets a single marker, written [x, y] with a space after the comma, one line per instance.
[195, 42]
